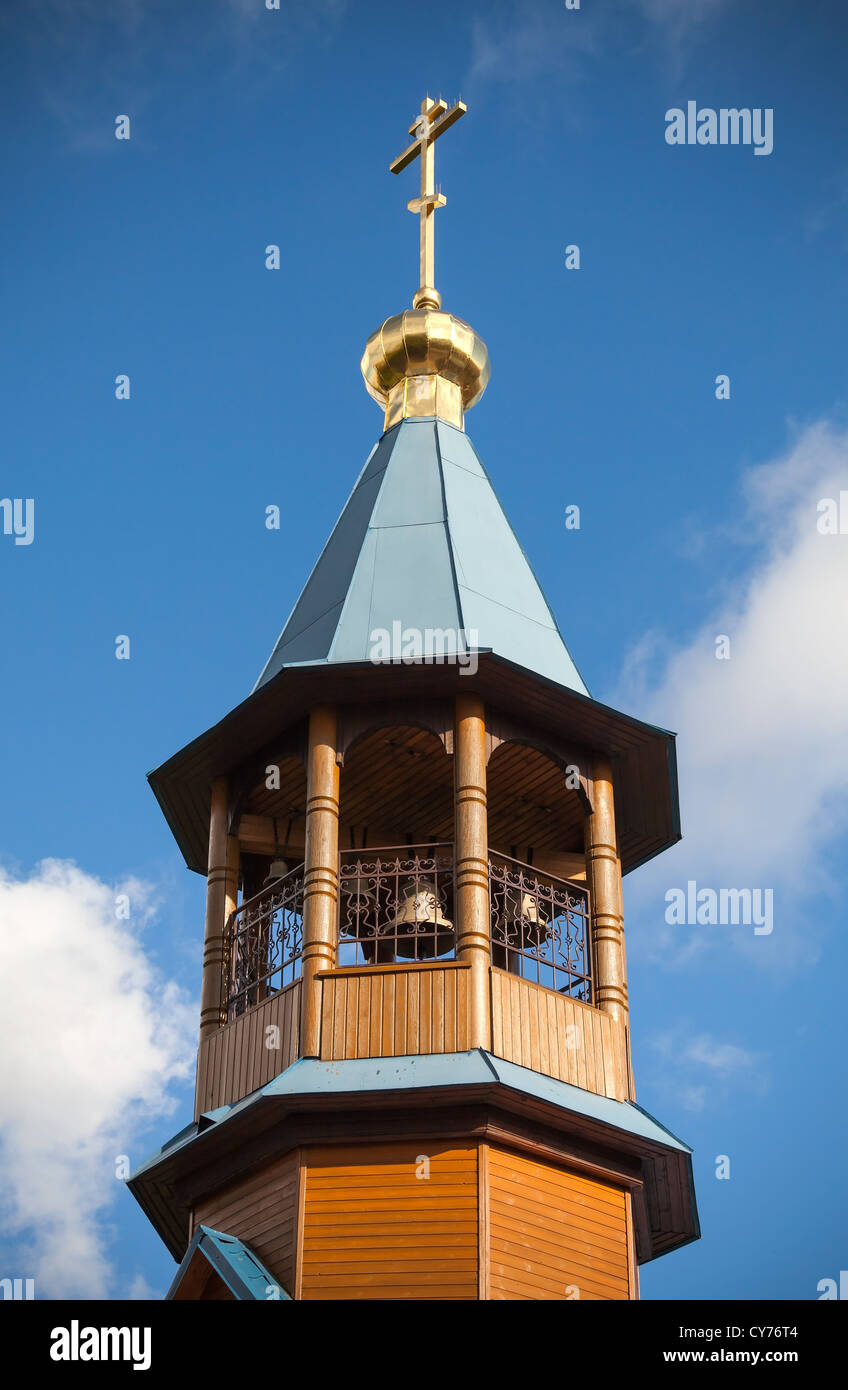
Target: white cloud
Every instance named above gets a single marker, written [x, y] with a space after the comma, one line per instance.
[697, 1069]
[763, 736]
[92, 1037]
[140, 1291]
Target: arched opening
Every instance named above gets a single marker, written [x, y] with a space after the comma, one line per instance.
[264, 935]
[396, 891]
[539, 907]
[271, 823]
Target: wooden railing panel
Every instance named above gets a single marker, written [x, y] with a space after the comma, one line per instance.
[240, 1057]
[561, 1037]
[394, 1010]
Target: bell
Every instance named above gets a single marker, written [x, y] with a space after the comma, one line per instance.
[357, 916]
[279, 868]
[526, 915]
[420, 915]
[358, 889]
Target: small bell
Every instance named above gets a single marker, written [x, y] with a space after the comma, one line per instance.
[279, 868]
[525, 914]
[359, 890]
[357, 915]
[420, 911]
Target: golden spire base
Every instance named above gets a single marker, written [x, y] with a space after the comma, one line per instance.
[427, 298]
[424, 363]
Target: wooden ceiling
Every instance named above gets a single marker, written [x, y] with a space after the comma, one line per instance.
[397, 788]
[286, 803]
[397, 781]
[529, 803]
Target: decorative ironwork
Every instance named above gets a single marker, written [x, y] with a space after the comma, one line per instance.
[396, 904]
[540, 927]
[264, 938]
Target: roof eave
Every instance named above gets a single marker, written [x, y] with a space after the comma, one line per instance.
[167, 1185]
[641, 752]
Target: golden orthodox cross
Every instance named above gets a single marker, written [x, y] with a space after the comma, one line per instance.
[434, 120]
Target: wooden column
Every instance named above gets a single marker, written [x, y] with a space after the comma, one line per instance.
[321, 872]
[211, 986]
[603, 874]
[471, 833]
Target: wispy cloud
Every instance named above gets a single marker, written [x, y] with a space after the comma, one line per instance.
[680, 16]
[90, 60]
[763, 736]
[141, 1291]
[528, 40]
[678, 24]
[93, 1038]
[829, 214]
[697, 1069]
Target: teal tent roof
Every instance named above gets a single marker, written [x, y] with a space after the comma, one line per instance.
[423, 544]
[241, 1270]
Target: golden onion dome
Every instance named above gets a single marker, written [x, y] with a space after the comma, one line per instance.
[425, 362]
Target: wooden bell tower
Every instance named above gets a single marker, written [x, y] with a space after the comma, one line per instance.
[413, 1076]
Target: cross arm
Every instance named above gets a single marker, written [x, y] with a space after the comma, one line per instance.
[444, 119]
[398, 165]
[445, 122]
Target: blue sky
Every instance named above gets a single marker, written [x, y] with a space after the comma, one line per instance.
[698, 518]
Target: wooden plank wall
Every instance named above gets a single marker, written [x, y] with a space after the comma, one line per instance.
[377, 1227]
[537, 1028]
[554, 1235]
[394, 1011]
[262, 1211]
[236, 1059]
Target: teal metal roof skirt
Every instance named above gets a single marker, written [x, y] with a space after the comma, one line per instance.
[310, 1077]
[311, 1091]
[423, 545]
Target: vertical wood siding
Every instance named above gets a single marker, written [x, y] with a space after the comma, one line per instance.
[394, 1013]
[537, 1028]
[262, 1211]
[552, 1232]
[375, 1230]
[234, 1060]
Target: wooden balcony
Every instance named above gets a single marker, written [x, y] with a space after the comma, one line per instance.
[397, 990]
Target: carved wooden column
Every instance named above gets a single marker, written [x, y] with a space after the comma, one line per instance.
[321, 872]
[603, 874]
[217, 881]
[472, 863]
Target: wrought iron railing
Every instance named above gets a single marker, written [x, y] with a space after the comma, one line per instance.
[396, 905]
[540, 927]
[264, 944]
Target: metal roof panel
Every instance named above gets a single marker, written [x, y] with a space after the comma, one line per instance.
[423, 541]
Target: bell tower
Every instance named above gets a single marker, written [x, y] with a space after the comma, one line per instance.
[413, 1073]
